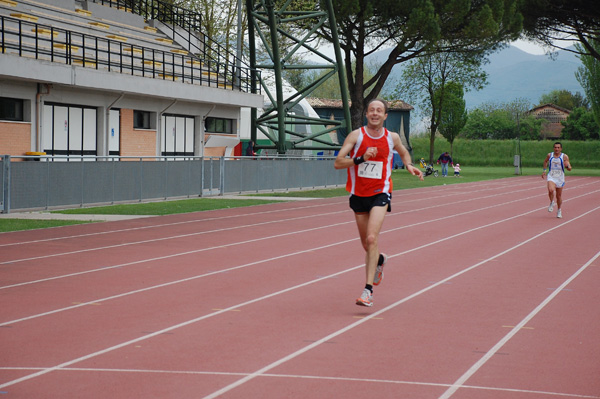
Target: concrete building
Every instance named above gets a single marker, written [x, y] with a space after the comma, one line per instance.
[96, 78]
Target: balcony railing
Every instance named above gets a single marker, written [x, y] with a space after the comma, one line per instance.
[188, 21]
[45, 42]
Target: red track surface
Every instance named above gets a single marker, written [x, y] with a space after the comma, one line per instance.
[486, 295]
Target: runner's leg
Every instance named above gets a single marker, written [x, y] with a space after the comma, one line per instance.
[551, 190]
[558, 197]
[369, 226]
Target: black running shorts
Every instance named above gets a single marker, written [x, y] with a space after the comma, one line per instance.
[365, 204]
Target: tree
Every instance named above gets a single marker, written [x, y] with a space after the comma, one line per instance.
[454, 113]
[564, 99]
[588, 76]
[219, 21]
[580, 125]
[331, 87]
[497, 125]
[220, 26]
[493, 120]
[426, 79]
[411, 29]
[516, 108]
[529, 128]
[552, 22]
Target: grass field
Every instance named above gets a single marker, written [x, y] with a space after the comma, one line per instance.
[402, 180]
[167, 207]
[583, 154]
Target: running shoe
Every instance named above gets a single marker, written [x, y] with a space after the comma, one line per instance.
[551, 207]
[379, 271]
[559, 214]
[365, 299]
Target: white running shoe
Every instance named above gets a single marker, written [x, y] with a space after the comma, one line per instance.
[551, 207]
[379, 271]
[559, 214]
[365, 299]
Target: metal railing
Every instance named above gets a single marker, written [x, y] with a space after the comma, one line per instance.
[159, 10]
[46, 42]
[191, 23]
[41, 183]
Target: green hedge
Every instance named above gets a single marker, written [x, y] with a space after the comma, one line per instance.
[583, 154]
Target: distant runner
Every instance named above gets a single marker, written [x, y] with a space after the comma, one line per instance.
[556, 176]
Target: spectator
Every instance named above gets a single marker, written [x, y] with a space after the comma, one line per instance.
[445, 159]
[250, 149]
[457, 170]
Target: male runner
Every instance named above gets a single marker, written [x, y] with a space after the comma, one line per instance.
[556, 176]
[370, 151]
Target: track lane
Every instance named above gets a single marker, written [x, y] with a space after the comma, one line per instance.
[340, 291]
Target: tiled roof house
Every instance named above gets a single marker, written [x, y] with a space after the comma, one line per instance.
[398, 116]
[553, 115]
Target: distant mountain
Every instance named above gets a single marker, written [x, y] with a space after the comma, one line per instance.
[513, 73]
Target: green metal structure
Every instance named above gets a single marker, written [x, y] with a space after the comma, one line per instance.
[269, 21]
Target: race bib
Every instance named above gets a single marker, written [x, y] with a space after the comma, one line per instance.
[556, 173]
[371, 169]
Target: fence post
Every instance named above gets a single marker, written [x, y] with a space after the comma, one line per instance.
[221, 175]
[201, 176]
[5, 206]
[141, 179]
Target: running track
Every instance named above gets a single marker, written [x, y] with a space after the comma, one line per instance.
[486, 295]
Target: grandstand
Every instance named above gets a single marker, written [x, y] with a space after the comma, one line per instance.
[116, 78]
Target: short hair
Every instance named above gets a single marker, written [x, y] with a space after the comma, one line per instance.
[381, 100]
[559, 143]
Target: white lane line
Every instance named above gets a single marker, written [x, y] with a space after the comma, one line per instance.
[253, 215]
[95, 301]
[168, 329]
[154, 226]
[46, 256]
[215, 231]
[252, 263]
[299, 352]
[469, 373]
[301, 377]
[253, 225]
[378, 313]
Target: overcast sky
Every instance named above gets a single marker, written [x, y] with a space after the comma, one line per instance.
[524, 45]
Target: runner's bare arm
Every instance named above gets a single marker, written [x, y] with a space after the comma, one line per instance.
[567, 163]
[342, 162]
[545, 165]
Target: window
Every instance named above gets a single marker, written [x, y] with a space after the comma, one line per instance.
[219, 125]
[141, 120]
[11, 109]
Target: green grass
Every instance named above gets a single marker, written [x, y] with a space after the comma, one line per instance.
[149, 208]
[167, 207]
[402, 180]
[583, 154]
[7, 225]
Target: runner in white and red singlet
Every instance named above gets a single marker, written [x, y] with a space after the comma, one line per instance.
[367, 153]
[557, 162]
